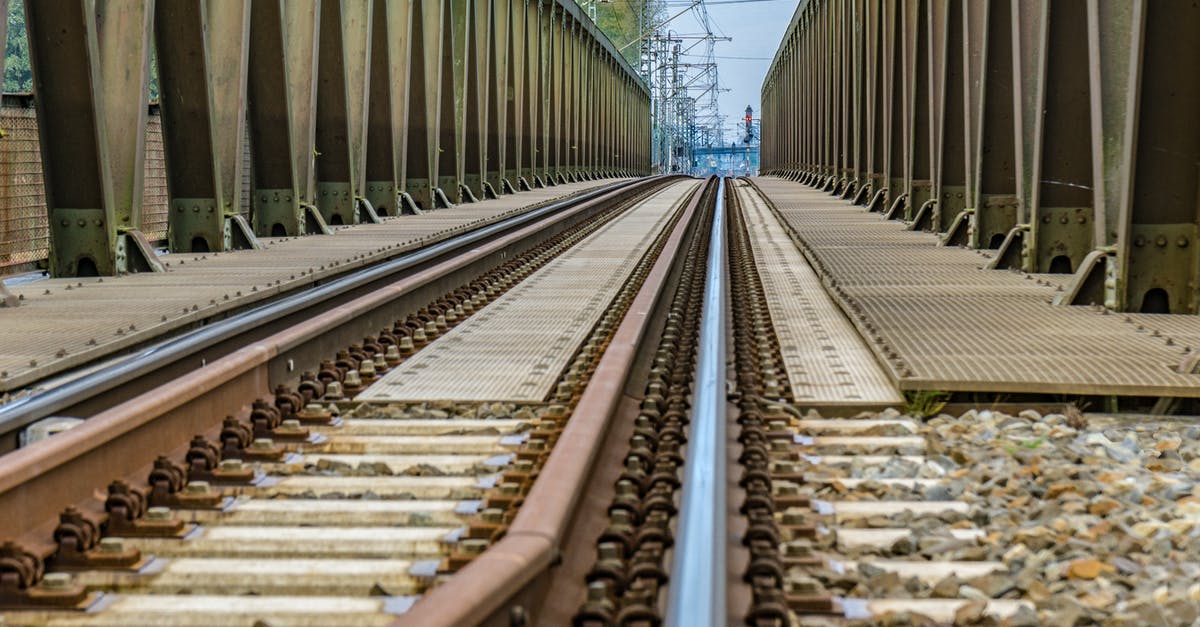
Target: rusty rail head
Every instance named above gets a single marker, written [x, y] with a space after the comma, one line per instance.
[533, 542]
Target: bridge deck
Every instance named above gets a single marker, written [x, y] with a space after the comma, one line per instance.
[826, 360]
[516, 348]
[63, 323]
[939, 321]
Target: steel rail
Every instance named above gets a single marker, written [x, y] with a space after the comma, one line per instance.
[696, 595]
[122, 441]
[22, 412]
[512, 574]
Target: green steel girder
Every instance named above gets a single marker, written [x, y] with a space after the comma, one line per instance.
[91, 65]
[348, 104]
[203, 52]
[342, 86]
[284, 39]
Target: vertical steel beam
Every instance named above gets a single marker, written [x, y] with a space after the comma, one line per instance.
[919, 139]
[424, 110]
[937, 14]
[517, 101]
[546, 61]
[533, 94]
[557, 106]
[1160, 256]
[499, 114]
[995, 195]
[387, 107]
[282, 105]
[951, 180]
[574, 102]
[453, 126]
[1053, 162]
[1116, 32]
[478, 83]
[343, 73]
[203, 50]
[90, 62]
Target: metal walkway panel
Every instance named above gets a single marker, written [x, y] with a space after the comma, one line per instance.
[939, 321]
[826, 360]
[517, 347]
[62, 323]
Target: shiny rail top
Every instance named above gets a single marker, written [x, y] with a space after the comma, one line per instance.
[697, 592]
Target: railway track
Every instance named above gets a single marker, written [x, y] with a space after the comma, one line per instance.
[617, 413]
[308, 506]
[884, 517]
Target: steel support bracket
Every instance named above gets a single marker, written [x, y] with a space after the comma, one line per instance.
[314, 223]
[239, 235]
[877, 200]
[408, 205]
[959, 233]
[863, 193]
[893, 212]
[440, 199]
[1014, 251]
[366, 212]
[922, 220]
[1095, 282]
[135, 254]
[466, 194]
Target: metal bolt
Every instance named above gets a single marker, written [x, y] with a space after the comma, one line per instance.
[56, 581]
[473, 546]
[158, 513]
[333, 391]
[112, 545]
[200, 487]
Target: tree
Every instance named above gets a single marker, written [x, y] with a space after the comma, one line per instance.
[18, 77]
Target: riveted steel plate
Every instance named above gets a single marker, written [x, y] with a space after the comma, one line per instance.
[80, 320]
[939, 321]
[826, 360]
[516, 347]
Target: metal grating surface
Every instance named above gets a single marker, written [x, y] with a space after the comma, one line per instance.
[826, 359]
[941, 322]
[54, 331]
[23, 235]
[515, 348]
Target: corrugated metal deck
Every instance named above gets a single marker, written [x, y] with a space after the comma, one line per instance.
[516, 347]
[64, 323]
[939, 321]
[826, 359]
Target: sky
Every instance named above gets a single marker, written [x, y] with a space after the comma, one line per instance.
[756, 27]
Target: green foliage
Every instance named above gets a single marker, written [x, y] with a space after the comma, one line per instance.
[621, 21]
[17, 75]
[925, 403]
